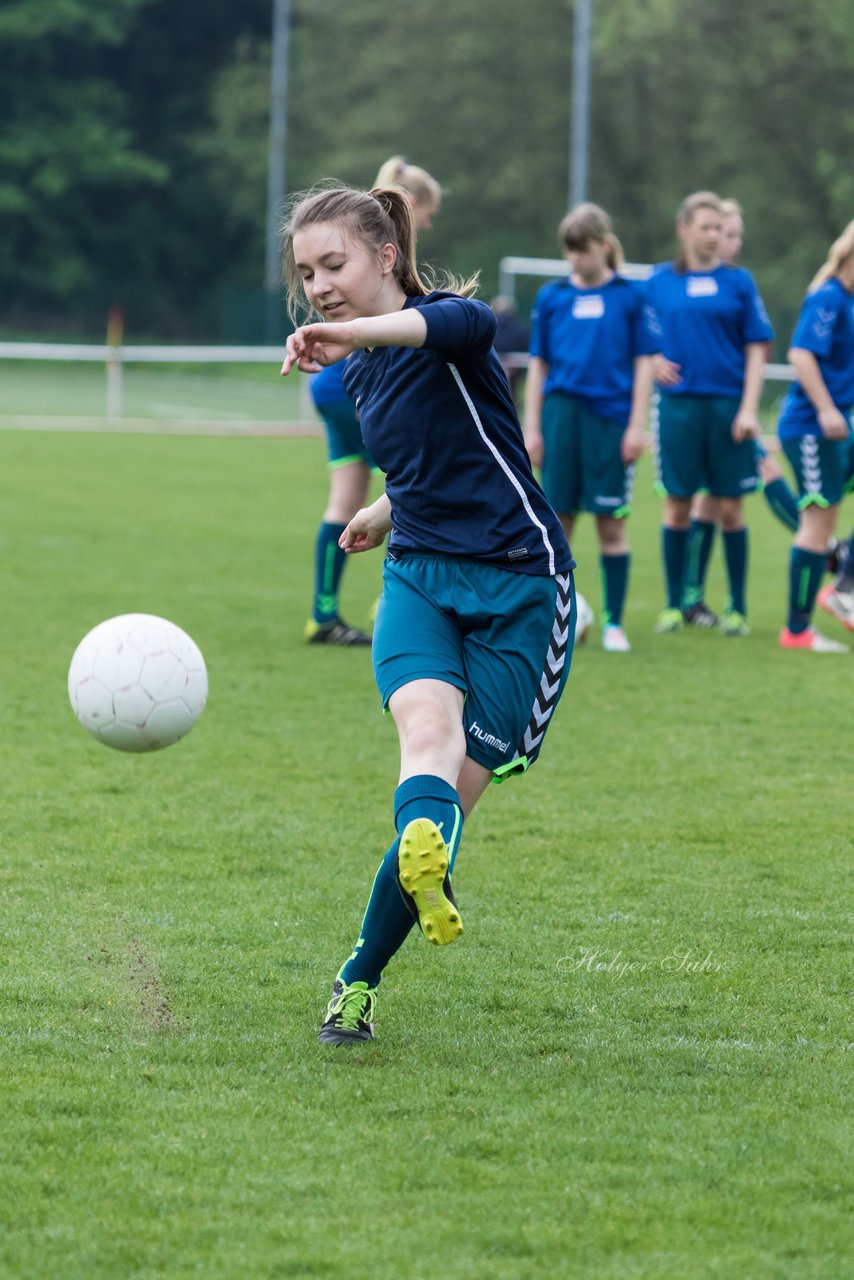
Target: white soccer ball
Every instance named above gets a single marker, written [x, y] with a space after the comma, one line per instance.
[583, 618]
[137, 682]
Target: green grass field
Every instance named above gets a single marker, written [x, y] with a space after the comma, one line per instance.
[636, 1063]
[173, 396]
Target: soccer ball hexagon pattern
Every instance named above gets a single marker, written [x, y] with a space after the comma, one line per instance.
[583, 618]
[137, 682]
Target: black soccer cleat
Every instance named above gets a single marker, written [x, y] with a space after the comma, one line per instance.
[335, 632]
[349, 1014]
[700, 615]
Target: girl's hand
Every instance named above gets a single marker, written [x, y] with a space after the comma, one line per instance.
[667, 373]
[365, 531]
[745, 426]
[534, 445]
[314, 346]
[631, 445]
[834, 425]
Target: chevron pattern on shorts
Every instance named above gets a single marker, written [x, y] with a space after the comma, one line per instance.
[811, 464]
[546, 699]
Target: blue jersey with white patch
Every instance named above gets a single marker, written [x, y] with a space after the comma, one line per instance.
[703, 320]
[439, 420]
[590, 339]
[826, 328]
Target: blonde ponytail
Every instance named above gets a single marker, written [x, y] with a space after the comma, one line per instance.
[838, 256]
[378, 217]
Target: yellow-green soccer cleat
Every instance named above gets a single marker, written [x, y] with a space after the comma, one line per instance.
[422, 871]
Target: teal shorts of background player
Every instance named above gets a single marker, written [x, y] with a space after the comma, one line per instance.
[582, 467]
[824, 469]
[696, 449]
[344, 443]
[503, 638]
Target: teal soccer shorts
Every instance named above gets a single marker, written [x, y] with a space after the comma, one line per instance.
[504, 639]
[695, 449]
[582, 467]
[344, 441]
[824, 469]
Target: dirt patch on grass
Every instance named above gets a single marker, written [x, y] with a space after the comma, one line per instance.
[155, 1005]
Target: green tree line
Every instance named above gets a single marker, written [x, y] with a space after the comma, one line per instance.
[133, 139]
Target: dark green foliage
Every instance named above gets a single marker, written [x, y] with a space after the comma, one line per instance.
[133, 137]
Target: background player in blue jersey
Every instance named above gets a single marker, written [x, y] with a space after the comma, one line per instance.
[710, 324]
[705, 511]
[473, 636]
[587, 396]
[816, 433]
[349, 462]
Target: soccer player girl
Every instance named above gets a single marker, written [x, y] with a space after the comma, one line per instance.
[349, 462]
[816, 434]
[587, 396]
[473, 636]
[705, 511]
[710, 324]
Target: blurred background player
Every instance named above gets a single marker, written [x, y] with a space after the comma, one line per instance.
[473, 637]
[511, 339]
[349, 461]
[587, 396]
[710, 324]
[705, 512]
[816, 434]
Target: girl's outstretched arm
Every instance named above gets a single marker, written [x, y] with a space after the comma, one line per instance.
[313, 346]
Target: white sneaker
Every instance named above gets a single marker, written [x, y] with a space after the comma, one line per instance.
[615, 640]
[839, 604]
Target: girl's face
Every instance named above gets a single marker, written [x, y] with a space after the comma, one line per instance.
[590, 264]
[343, 278]
[732, 236]
[424, 213]
[701, 237]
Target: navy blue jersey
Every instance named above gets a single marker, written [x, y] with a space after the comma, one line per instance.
[327, 387]
[439, 420]
[590, 339]
[826, 328]
[703, 320]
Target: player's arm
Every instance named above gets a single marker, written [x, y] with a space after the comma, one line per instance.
[746, 421]
[368, 527]
[538, 371]
[631, 445]
[833, 424]
[314, 346]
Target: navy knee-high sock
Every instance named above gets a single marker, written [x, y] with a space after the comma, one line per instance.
[615, 581]
[387, 919]
[426, 796]
[329, 562]
[700, 540]
[673, 545]
[806, 570]
[735, 554]
[384, 929]
[783, 503]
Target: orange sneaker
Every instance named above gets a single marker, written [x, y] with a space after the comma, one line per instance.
[810, 639]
